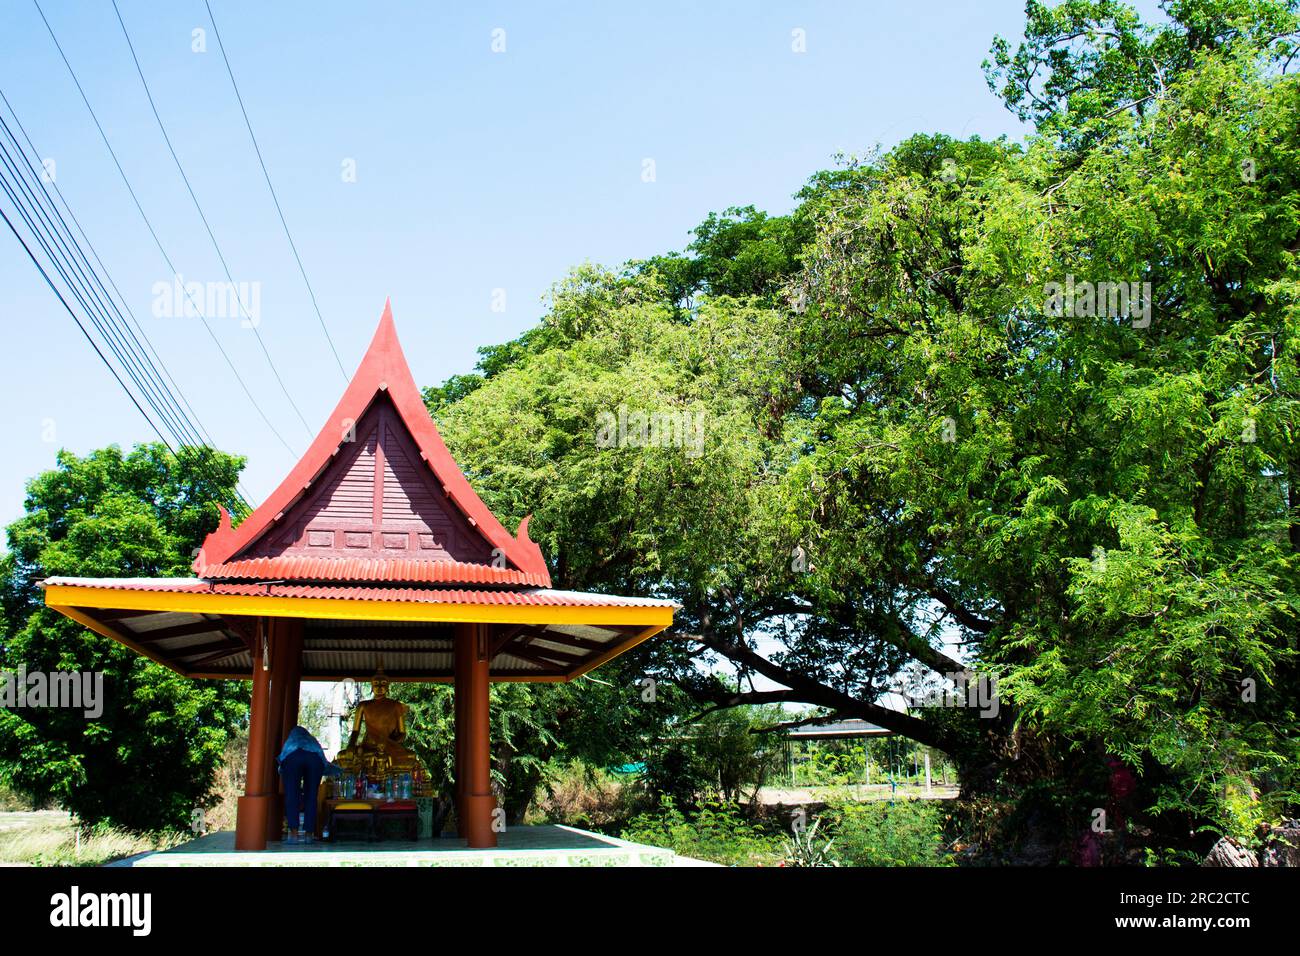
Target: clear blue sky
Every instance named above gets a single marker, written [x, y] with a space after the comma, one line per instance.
[475, 171]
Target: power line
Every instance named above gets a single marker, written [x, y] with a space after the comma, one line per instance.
[42, 229]
[158, 242]
[274, 198]
[81, 292]
[100, 262]
[80, 287]
[206, 225]
[125, 344]
[93, 344]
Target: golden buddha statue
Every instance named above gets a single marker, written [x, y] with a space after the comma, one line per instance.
[379, 754]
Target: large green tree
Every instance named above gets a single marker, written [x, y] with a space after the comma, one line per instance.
[149, 759]
[913, 457]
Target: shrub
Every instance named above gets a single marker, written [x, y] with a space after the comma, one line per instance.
[889, 833]
[722, 754]
[806, 848]
[718, 833]
[580, 795]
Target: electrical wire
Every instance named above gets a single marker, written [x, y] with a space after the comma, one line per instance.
[252, 323]
[42, 230]
[274, 198]
[69, 260]
[158, 242]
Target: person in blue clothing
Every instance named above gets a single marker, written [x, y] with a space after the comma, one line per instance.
[302, 763]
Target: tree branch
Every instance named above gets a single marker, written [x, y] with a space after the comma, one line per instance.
[964, 617]
[804, 689]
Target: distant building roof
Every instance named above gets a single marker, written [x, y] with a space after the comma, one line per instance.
[853, 727]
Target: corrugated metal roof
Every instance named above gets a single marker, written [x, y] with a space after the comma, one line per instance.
[368, 570]
[850, 727]
[362, 661]
[164, 620]
[239, 664]
[536, 597]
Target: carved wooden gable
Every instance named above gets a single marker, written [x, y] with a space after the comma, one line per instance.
[376, 499]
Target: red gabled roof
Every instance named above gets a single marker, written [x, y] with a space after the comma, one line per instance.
[292, 567]
[383, 371]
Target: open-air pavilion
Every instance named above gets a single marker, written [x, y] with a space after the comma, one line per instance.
[374, 550]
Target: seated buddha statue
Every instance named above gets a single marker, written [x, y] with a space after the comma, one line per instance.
[379, 753]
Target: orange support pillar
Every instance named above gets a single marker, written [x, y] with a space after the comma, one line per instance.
[477, 803]
[289, 711]
[293, 679]
[285, 660]
[257, 803]
[460, 694]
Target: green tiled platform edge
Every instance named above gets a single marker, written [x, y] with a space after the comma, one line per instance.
[519, 846]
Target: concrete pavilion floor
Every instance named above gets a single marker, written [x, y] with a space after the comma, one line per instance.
[549, 845]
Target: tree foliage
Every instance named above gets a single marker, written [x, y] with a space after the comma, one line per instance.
[912, 457]
[149, 759]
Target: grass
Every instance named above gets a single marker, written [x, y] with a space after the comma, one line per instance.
[52, 839]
